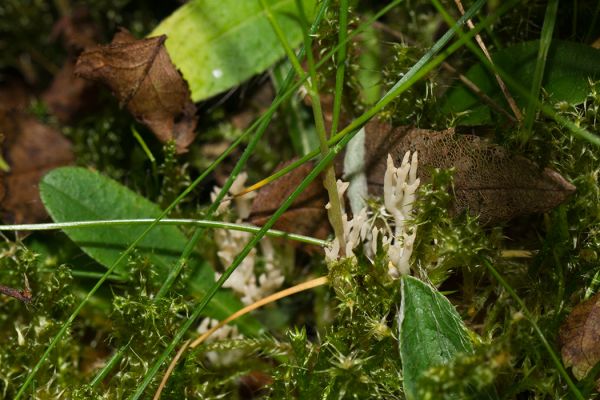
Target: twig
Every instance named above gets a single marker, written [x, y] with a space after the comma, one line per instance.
[509, 99]
[23, 295]
[267, 300]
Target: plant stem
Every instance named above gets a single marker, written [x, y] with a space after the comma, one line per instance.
[167, 221]
[329, 180]
[540, 66]
[191, 244]
[335, 211]
[237, 261]
[340, 66]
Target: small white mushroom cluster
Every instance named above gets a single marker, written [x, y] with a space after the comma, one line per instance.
[399, 192]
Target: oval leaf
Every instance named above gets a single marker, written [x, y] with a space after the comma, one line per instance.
[431, 332]
[77, 194]
[218, 44]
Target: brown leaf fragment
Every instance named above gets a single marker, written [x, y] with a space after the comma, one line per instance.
[252, 106]
[306, 215]
[13, 94]
[580, 337]
[30, 149]
[488, 180]
[143, 78]
[69, 95]
[76, 29]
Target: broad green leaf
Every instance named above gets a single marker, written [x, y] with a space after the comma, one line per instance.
[568, 68]
[431, 332]
[77, 194]
[218, 44]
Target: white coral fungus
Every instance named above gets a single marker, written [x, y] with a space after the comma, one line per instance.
[399, 192]
[244, 280]
[230, 243]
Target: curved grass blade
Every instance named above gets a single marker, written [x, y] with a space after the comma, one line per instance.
[204, 223]
[555, 359]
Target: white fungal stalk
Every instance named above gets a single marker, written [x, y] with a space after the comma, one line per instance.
[399, 192]
[399, 188]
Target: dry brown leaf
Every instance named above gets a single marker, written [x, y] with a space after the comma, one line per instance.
[143, 78]
[69, 95]
[488, 180]
[31, 149]
[306, 216]
[77, 30]
[13, 94]
[580, 338]
[252, 106]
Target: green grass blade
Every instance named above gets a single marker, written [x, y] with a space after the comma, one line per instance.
[514, 85]
[538, 75]
[238, 260]
[419, 70]
[197, 235]
[565, 375]
[340, 71]
[205, 223]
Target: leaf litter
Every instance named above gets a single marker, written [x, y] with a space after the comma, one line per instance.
[142, 77]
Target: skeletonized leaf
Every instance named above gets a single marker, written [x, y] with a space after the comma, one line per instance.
[580, 337]
[143, 78]
[488, 180]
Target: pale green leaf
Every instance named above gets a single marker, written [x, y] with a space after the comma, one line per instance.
[218, 44]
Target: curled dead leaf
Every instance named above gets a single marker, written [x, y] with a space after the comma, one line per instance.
[580, 338]
[488, 180]
[143, 78]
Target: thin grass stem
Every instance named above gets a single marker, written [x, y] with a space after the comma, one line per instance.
[557, 363]
[540, 66]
